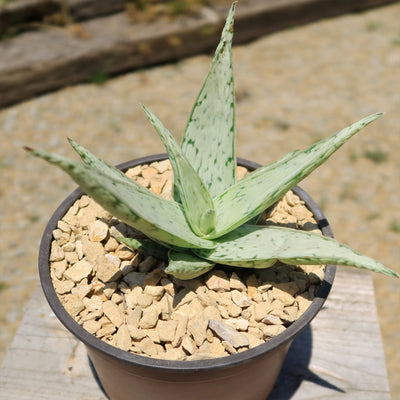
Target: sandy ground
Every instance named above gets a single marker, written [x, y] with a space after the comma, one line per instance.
[293, 88]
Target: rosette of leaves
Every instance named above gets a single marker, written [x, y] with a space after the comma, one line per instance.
[211, 219]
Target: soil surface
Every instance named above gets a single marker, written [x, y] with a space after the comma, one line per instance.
[293, 87]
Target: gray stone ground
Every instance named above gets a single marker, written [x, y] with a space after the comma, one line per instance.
[293, 87]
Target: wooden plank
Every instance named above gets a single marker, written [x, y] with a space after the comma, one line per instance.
[339, 357]
[37, 62]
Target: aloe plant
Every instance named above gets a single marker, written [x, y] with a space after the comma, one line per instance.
[210, 219]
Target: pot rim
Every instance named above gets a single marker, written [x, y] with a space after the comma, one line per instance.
[167, 365]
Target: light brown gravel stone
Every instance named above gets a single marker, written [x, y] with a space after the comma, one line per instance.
[253, 340]
[91, 250]
[162, 166]
[123, 252]
[156, 292]
[56, 253]
[240, 324]
[82, 290]
[233, 309]
[165, 306]
[68, 247]
[261, 310]
[147, 347]
[81, 269]
[240, 299]
[215, 348]
[271, 320]
[135, 332]
[228, 347]
[197, 327]
[157, 183]
[189, 345]
[152, 334]
[93, 303]
[98, 231]
[58, 268]
[71, 257]
[123, 338]
[133, 316]
[113, 313]
[195, 308]
[228, 334]
[173, 354]
[79, 249]
[182, 322]
[166, 330]
[270, 331]
[206, 300]
[131, 298]
[236, 283]
[183, 297]
[148, 172]
[149, 317]
[117, 298]
[212, 313]
[91, 326]
[112, 245]
[217, 280]
[144, 300]
[303, 303]
[109, 289]
[106, 330]
[63, 287]
[85, 315]
[73, 304]
[286, 298]
[107, 271]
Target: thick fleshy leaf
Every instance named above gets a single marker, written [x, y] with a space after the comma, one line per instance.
[96, 163]
[263, 187]
[195, 198]
[159, 219]
[185, 266]
[147, 246]
[210, 138]
[254, 246]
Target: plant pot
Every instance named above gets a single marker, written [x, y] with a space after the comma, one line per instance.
[249, 375]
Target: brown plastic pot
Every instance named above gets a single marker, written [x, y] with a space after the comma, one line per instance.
[249, 375]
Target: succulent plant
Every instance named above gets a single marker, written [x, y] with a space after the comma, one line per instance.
[211, 219]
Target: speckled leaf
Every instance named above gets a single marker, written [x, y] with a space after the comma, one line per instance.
[209, 139]
[94, 162]
[159, 219]
[260, 246]
[195, 198]
[263, 187]
[185, 266]
[147, 246]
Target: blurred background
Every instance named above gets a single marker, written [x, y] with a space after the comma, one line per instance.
[294, 86]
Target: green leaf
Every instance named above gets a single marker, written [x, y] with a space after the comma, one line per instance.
[147, 246]
[159, 219]
[254, 246]
[94, 162]
[187, 265]
[195, 198]
[209, 139]
[263, 187]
